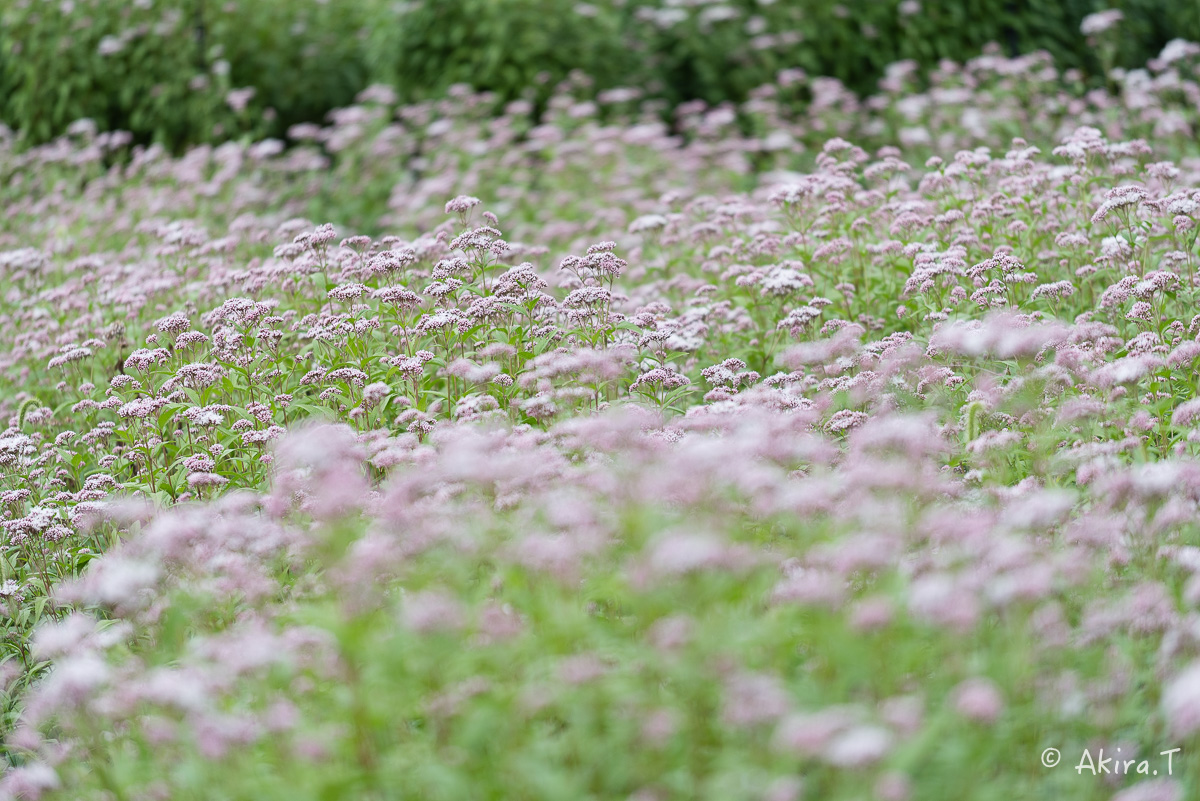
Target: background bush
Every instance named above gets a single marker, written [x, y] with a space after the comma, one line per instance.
[163, 69]
[135, 66]
[720, 52]
[503, 46]
[304, 57]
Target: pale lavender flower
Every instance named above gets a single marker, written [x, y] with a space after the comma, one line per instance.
[1004, 336]
[462, 204]
[978, 699]
[582, 669]
[239, 99]
[845, 420]
[1161, 789]
[809, 734]
[347, 292]
[115, 580]
[1101, 21]
[859, 746]
[430, 611]
[1186, 413]
[1140, 311]
[199, 480]
[374, 394]
[143, 359]
[660, 377]
[754, 698]
[29, 781]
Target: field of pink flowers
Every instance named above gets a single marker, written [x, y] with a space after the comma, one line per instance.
[853, 455]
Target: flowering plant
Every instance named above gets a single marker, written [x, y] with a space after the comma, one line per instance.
[617, 467]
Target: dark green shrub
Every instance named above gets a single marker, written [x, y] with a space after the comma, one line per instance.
[503, 46]
[720, 51]
[137, 66]
[304, 57]
[163, 69]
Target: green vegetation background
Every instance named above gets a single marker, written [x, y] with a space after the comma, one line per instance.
[162, 68]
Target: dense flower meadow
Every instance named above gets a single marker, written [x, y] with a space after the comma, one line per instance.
[846, 456]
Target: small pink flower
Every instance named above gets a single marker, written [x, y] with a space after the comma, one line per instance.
[430, 611]
[978, 699]
[1160, 789]
[462, 204]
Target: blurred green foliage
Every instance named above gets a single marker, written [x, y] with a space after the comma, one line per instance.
[304, 57]
[163, 69]
[123, 65]
[509, 47]
[697, 52]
